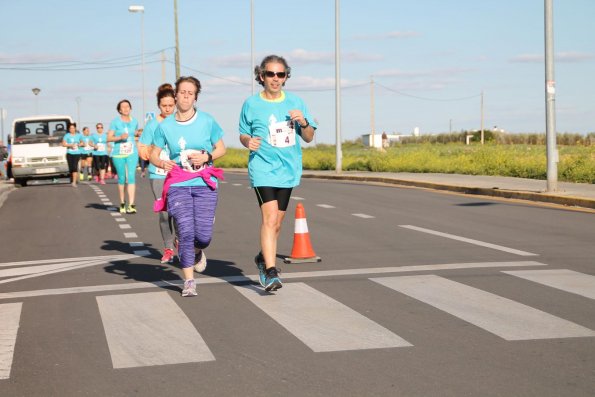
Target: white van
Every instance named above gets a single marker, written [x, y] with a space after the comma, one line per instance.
[37, 151]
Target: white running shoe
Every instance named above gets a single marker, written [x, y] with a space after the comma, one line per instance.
[189, 288]
[200, 263]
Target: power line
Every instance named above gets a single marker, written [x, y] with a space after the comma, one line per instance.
[427, 99]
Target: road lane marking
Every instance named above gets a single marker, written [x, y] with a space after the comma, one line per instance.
[503, 317]
[320, 322]
[297, 198]
[106, 258]
[325, 206]
[126, 226]
[131, 235]
[254, 278]
[365, 216]
[10, 313]
[137, 325]
[142, 253]
[562, 279]
[45, 272]
[468, 240]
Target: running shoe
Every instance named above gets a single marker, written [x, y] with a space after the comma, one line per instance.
[200, 263]
[131, 209]
[272, 282]
[102, 182]
[122, 208]
[89, 177]
[259, 260]
[189, 288]
[81, 177]
[168, 256]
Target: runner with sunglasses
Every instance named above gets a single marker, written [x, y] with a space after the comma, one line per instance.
[270, 124]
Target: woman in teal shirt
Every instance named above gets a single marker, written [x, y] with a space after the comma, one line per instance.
[271, 123]
[122, 131]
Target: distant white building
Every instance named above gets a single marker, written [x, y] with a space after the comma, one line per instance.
[375, 140]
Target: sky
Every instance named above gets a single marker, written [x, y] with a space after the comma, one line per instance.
[430, 61]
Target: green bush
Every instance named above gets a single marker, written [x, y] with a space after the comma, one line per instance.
[526, 160]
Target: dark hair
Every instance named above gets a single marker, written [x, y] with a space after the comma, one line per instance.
[121, 102]
[258, 69]
[165, 90]
[189, 79]
[73, 123]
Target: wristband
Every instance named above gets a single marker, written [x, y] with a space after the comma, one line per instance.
[210, 160]
[306, 125]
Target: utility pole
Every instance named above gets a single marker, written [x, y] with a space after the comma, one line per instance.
[550, 100]
[372, 124]
[338, 154]
[163, 78]
[252, 46]
[482, 117]
[177, 41]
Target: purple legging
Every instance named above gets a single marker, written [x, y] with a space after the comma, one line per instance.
[193, 209]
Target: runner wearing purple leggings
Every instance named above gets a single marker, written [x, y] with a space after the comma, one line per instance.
[194, 140]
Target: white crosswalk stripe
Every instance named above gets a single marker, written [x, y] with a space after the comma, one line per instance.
[501, 316]
[133, 322]
[10, 313]
[319, 321]
[562, 279]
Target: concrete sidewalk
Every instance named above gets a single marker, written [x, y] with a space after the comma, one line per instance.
[570, 194]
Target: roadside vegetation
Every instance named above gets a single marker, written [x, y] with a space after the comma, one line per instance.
[515, 155]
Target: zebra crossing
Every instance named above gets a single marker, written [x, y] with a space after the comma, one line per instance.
[132, 322]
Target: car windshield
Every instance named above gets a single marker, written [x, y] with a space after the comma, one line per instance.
[40, 128]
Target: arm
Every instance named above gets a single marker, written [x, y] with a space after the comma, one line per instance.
[307, 130]
[157, 162]
[198, 159]
[250, 142]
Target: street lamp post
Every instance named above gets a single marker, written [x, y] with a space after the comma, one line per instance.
[177, 55]
[78, 100]
[141, 10]
[36, 91]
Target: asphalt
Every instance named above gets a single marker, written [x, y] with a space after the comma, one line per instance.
[580, 195]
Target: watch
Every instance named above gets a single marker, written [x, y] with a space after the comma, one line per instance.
[210, 157]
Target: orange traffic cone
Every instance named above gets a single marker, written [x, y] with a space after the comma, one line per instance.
[302, 251]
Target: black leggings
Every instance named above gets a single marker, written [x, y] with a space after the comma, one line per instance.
[264, 194]
[73, 162]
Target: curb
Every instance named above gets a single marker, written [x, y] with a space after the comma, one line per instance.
[5, 189]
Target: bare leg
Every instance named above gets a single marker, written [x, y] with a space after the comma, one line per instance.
[272, 218]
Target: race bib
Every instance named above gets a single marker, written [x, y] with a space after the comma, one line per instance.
[162, 156]
[88, 148]
[282, 134]
[101, 147]
[75, 147]
[126, 148]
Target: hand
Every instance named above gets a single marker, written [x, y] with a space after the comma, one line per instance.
[297, 116]
[167, 165]
[254, 143]
[198, 158]
[124, 136]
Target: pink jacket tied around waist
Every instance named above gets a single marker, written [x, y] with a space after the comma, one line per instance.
[177, 174]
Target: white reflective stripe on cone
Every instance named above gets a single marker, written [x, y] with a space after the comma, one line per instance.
[301, 226]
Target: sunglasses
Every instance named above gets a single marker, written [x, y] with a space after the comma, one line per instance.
[271, 74]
